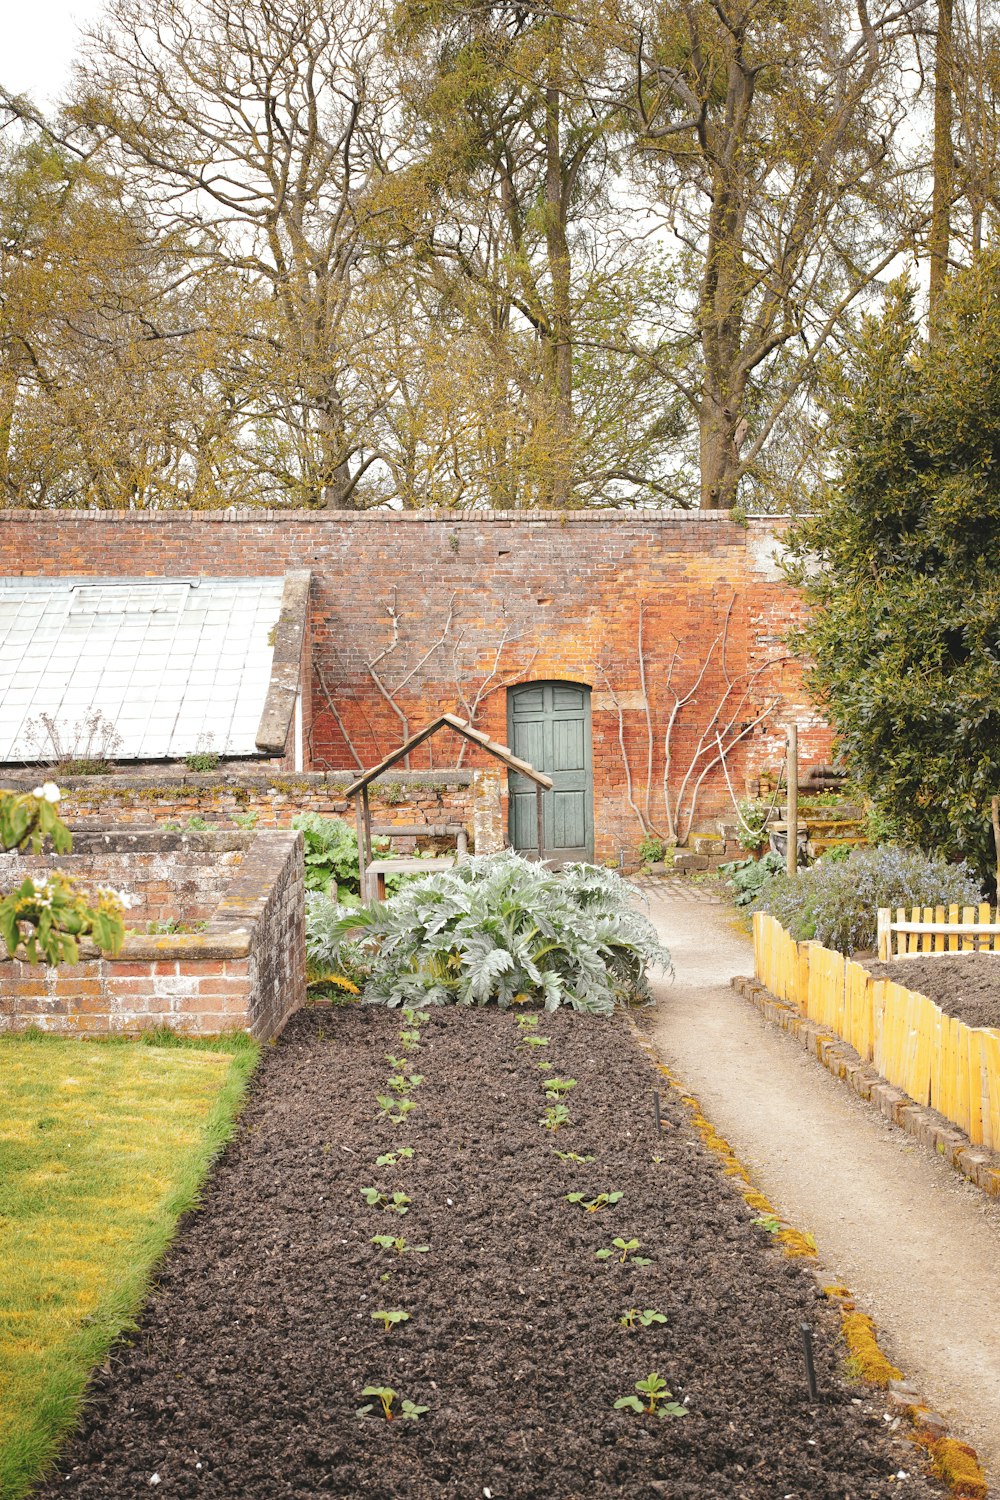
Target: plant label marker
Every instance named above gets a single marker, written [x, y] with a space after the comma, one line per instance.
[807, 1351]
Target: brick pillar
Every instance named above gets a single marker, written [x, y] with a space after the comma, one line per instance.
[488, 830]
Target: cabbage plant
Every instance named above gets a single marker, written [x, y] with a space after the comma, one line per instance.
[500, 929]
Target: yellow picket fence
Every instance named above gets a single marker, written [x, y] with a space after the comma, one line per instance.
[936, 1059]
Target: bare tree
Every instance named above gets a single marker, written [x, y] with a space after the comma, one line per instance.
[771, 133]
[258, 133]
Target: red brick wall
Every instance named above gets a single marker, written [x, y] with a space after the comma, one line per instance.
[565, 590]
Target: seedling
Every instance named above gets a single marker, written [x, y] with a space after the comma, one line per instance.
[770, 1222]
[633, 1318]
[535, 1041]
[628, 1249]
[393, 1158]
[656, 1401]
[387, 1242]
[375, 1198]
[390, 1319]
[403, 1083]
[414, 1017]
[543, 1067]
[397, 1064]
[386, 1396]
[527, 1023]
[572, 1156]
[555, 1116]
[409, 1041]
[394, 1110]
[557, 1088]
[592, 1205]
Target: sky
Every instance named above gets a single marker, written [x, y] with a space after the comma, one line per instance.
[40, 38]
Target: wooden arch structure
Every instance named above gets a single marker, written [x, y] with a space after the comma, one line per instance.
[358, 789]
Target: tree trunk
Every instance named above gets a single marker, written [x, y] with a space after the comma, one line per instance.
[940, 235]
[560, 362]
[719, 457]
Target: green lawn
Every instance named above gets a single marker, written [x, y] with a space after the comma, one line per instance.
[102, 1146]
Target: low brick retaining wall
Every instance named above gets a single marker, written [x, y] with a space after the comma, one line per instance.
[243, 970]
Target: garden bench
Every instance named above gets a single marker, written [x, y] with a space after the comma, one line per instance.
[377, 870]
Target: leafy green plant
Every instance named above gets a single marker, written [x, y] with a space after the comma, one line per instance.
[404, 1083]
[627, 1249]
[43, 920]
[535, 1041]
[398, 1244]
[393, 1158]
[651, 849]
[593, 1205]
[375, 1198]
[837, 904]
[555, 1117]
[752, 815]
[749, 877]
[557, 1088]
[526, 1023]
[202, 760]
[386, 1398]
[633, 1318]
[770, 1222]
[571, 1156]
[394, 1110]
[390, 1320]
[414, 1017]
[197, 824]
[657, 1400]
[500, 927]
[247, 820]
[544, 1067]
[331, 855]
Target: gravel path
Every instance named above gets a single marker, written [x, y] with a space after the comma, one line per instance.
[918, 1245]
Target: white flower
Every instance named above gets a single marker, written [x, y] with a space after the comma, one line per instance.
[50, 791]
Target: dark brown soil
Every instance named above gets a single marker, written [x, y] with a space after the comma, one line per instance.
[249, 1363]
[966, 985]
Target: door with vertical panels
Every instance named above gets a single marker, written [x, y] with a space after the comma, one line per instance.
[548, 725]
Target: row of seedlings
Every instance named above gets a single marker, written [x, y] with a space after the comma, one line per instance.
[396, 1104]
[652, 1396]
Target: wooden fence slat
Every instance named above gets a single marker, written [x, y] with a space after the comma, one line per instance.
[984, 918]
[939, 939]
[968, 915]
[952, 939]
[900, 937]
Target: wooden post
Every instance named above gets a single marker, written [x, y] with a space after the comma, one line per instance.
[362, 861]
[366, 810]
[540, 813]
[792, 810]
[884, 935]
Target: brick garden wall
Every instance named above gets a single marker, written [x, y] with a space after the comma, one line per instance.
[424, 603]
[244, 969]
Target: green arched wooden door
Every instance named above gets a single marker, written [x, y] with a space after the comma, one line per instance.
[548, 725]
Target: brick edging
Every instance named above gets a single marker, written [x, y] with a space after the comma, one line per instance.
[931, 1129]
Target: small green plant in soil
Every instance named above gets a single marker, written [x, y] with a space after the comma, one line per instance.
[594, 1205]
[657, 1400]
[247, 820]
[402, 1083]
[571, 1156]
[398, 1064]
[544, 1067]
[393, 1158]
[646, 1318]
[535, 1041]
[415, 1017]
[375, 1198]
[398, 1244]
[394, 1110]
[557, 1088]
[651, 849]
[390, 1319]
[555, 1117]
[386, 1398]
[202, 760]
[769, 1222]
[526, 1023]
[409, 1041]
[627, 1255]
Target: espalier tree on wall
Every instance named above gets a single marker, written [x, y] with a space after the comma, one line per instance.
[899, 564]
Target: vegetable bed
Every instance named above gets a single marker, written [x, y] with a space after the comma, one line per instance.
[255, 1352]
[964, 985]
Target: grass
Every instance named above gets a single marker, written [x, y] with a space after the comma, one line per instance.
[103, 1145]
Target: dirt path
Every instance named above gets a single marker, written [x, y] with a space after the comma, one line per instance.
[918, 1245]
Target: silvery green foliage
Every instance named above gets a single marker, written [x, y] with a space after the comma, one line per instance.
[837, 902]
[496, 928]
